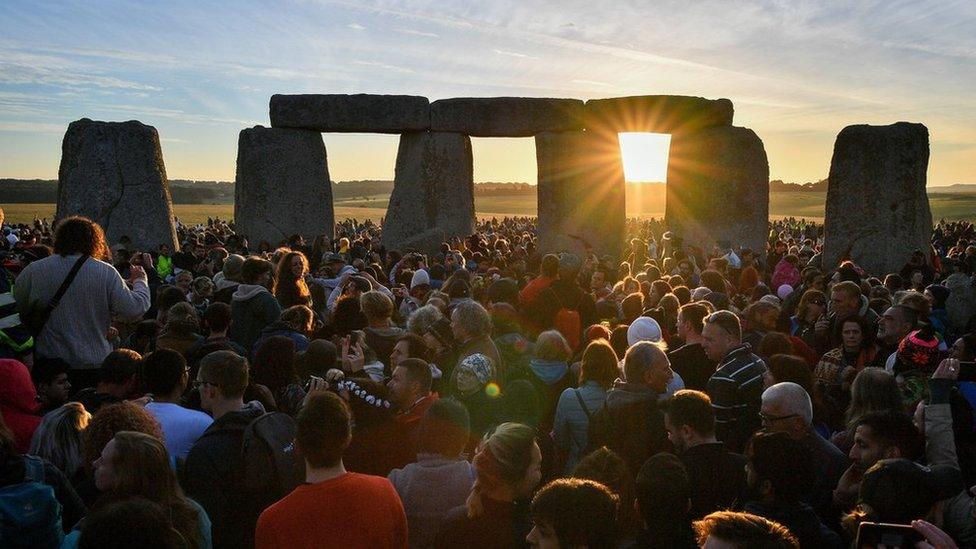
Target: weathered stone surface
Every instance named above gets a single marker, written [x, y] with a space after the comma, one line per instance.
[581, 193]
[366, 113]
[718, 188]
[433, 192]
[961, 304]
[877, 210]
[657, 113]
[113, 173]
[282, 185]
[505, 116]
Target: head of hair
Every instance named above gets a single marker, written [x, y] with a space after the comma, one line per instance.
[728, 322]
[58, 437]
[694, 314]
[217, 316]
[600, 364]
[691, 408]
[273, 364]
[550, 265]
[376, 305]
[418, 371]
[783, 461]
[120, 366]
[745, 530]
[663, 491]
[111, 419]
[873, 390]
[80, 235]
[299, 317]
[162, 370]
[640, 357]
[167, 296]
[774, 343]
[131, 521]
[45, 369]
[806, 299]
[416, 347]
[473, 318]
[683, 293]
[323, 429]
[422, 319]
[917, 302]
[182, 318]
[713, 280]
[784, 367]
[444, 428]
[851, 289]
[551, 345]
[254, 267]
[791, 399]
[632, 306]
[894, 429]
[227, 370]
[502, 459]
[618, 340]
[581, 512]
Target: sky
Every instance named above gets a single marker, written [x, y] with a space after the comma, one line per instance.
[797, 72]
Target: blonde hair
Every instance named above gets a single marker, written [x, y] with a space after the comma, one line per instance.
[503, 458]
[376, 305]
[551, 345]
[58, 437]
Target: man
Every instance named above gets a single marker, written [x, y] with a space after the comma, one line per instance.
[381, 333]
[214, 472]
[736, 386]
[217, 317]
[787, 408]
[895, 324]
[663, 492]
[333, 508]
[572, 512]
[877, 435]
[165, 375]
[117, 380]
[845, 301]
[631, 424]
[410, 393]
[565, 294]
[780, 474]
[253, 306]
[717, 476]
[471, 327]
[599, 283]
[728, 530]
[50, 376]
[690, 360]
[337, 266]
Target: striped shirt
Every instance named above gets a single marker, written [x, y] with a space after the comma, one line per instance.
[736, 392]
[77, 328]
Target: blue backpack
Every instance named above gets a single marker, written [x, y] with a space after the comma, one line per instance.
[30, 515]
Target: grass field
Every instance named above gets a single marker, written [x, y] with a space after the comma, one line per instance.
[952, 206]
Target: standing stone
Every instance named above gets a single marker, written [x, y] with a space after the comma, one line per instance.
[282, 185]
[113, 173]
[364, 113]
[877, 209]
[581, 193]
[961, 304]
[505, 116]
[433, 192]
[657, 113]
[718, 188]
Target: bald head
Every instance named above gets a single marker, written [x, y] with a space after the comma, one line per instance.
[787, 407]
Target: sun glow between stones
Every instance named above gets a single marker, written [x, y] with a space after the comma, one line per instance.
[645, 156]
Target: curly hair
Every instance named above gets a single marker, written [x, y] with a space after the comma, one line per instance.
[111, 419]
[80, 235]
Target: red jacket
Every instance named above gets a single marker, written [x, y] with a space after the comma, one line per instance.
[18, 402]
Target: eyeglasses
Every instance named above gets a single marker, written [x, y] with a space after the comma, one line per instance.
[767, 419]
[197, 383]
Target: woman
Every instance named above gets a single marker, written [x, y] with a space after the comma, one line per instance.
[471, 389]
[290, 287]
[508, 467]
[598, 370]
[873, 390]
[296, 323]
[813, 304]
[837, 367]
[137, 464]
[181, 330]
[252, 306]
[273, 367]
[58, 438]
[549, 374]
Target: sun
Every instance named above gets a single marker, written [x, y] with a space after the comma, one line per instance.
[645, 156]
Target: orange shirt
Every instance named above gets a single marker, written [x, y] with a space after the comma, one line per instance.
[349, 511]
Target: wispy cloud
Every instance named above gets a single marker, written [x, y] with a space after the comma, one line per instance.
[384, 66]
[513, 54]
[418, 33]
[355, 26]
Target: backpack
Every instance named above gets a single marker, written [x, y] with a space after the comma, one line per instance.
[30, 515]
[272, 467]
[568, 322]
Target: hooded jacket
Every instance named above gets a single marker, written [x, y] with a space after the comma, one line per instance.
[213, 475]
[630, 424]
[252, 308]
[18, 402]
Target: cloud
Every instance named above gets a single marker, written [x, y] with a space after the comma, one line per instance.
[355, 26]
[418, 33]
[383, 66]
[514, 54]
[31, 127]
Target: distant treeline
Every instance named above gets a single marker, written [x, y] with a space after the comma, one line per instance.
[814, 186]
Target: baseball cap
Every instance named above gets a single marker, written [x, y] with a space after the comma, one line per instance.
[900, 490]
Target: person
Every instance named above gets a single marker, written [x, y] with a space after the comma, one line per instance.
[508, 465]
[181, 330]
[50, 377]
[334, 508]
[439, 480]
[631, 423]
[166, 375]
[471, 327]
[18, 402]
[58, 438]
[117, 380]
[837, 367]
[274, 367]
[572, 512]
[873, 389]
[846, 301]
[253, 306]
[717, 476]
[663, 500]
[743, 531]
[576, 406]
[289, 287]
[18, 469]
[895, 324]
[76, 329]
[381, 333]
[780, 473]
[137, 464]
[690, 360]
[214, 469]
[787, 408]
[736, 386]
[549, 374]
[472, 377]
[812, 305]
[133, 521]
[410, 394]
[296, 323]
[217, 318]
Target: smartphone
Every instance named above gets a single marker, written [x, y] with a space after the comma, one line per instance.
[872, 534]
[967, 371]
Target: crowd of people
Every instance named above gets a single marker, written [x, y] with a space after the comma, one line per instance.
[335, 393]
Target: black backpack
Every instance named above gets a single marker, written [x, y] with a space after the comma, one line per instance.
[272, 467]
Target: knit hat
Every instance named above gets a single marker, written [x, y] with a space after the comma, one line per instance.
[939, 293]
[643, 328]
[784, 291]
[419, 278]
[919, 351]
[478, 365]
[771, 299]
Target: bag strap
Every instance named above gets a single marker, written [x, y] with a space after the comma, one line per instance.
[33, 469]
[51, 305]
[582, 404]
